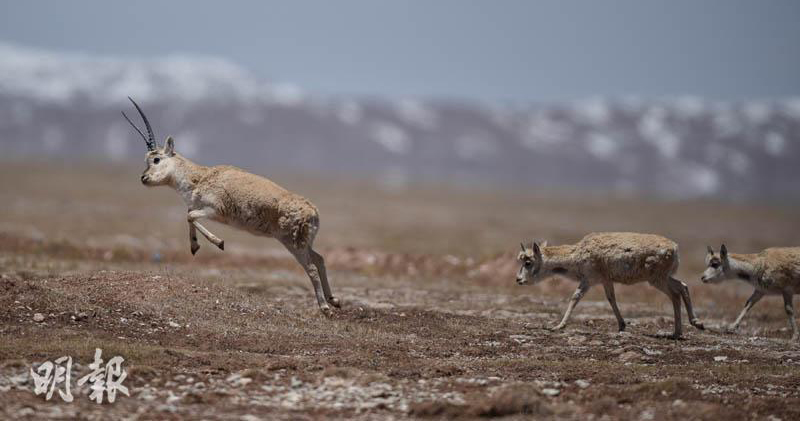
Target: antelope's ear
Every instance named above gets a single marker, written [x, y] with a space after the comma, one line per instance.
[710, 250]
[537, 252]
[723, 252]
[522, 246]
[544, 244]
[169, 146]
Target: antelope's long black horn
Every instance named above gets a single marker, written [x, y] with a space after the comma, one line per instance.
[137, 129]
[150, 139]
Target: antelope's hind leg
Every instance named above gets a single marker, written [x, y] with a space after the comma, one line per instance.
[789, 307]
[193, 245]
[304, 257]
[663, 285]
[612, 299]
[317, 259]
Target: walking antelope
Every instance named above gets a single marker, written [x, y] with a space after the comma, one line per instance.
[608, 258]
[243, 200]
[774, 271]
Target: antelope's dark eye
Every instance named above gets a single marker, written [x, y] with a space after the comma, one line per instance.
[715, 265]
[528, 263]
[156, 160]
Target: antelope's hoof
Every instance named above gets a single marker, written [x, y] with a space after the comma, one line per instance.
[731, 329]
[195, 247]
[622, 327]
[221, 245]
[555, 328]
[335, 302]
[699, 325]
[326, 311]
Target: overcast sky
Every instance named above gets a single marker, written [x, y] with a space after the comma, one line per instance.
[527, 51]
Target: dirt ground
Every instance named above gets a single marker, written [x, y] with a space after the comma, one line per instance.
[432, 325]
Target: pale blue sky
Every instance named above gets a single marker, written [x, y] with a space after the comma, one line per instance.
[526, 51]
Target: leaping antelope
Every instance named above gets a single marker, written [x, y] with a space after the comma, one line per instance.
[240, 199]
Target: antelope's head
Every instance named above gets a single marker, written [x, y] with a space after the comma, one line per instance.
[160, 161]
[716, 266]
[530, 259]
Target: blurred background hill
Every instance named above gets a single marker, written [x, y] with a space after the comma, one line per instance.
[668, 100]
[56, 105]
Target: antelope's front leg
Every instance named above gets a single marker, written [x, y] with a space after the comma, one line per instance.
[757, 295]
[576, 297]
[194, 215]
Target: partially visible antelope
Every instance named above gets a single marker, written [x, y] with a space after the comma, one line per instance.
[774, 271]
[609, 258]
[243, 200]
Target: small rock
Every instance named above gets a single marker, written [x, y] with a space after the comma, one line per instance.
[647, 415]
[551, 392]
[38, 317]
[576, 340]
[678, 403]
[629, 356]
[583, 384]
[173, 324]
[720, 358]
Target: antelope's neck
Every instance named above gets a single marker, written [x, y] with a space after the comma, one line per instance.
[743, 267]
[559, 260]
[186, 177]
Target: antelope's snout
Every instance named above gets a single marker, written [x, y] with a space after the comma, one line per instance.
[144, 179]
[703, 279]
[521, 281]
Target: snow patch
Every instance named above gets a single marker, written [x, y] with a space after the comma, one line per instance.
[391, 137]
[593, 111]
[287, 94]
[791, 107]
[738, 162]
[602, 146]
[417, 114]
[726, 123]
[654, 129]
[689, 106]
[774, 144]
[541, 131]
[757, 112]
[350, 112]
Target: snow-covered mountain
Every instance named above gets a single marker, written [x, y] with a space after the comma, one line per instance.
[56, 104]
